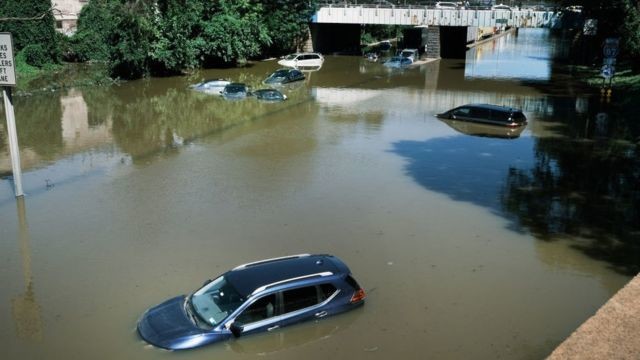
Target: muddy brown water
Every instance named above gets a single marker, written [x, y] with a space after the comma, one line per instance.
[464, 240]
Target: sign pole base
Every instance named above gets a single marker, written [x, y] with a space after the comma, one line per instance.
[14, 149]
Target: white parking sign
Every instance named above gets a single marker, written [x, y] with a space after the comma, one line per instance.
[7, 64]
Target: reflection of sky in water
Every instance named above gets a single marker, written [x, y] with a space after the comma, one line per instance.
[525, 56]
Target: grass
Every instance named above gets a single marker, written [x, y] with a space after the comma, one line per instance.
[52, 77]
[624, 78]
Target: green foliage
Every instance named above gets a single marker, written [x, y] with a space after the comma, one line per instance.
[35, 55]
[233, 32]
[616, 18]
[95, 23]
[23, 68]
[163, 37]
[176, 48]
[131, 40]
[286, 22]
[38, 32]
[631, 33]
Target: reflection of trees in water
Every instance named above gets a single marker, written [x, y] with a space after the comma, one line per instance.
[38, 124]
[100, 105]
[25, 308]
[581, 182]
[585, 188]
[146, 123]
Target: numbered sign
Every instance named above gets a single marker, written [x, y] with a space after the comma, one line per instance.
[7, 64]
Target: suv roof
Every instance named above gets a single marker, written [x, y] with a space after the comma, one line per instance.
[249, 277]
[495, 107]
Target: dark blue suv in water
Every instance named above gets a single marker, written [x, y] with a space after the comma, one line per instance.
[254, 297]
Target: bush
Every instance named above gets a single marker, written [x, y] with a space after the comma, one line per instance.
[38, 32]
[36, 55]
[95, 23]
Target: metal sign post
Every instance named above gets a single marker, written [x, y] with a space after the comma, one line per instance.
[610, 50]
[8, 79]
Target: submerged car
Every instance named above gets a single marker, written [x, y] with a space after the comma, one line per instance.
[398, 62]
[235, 91]
[444, 5]
[486, 113]
[251, 298]
[269, 95]
[501, 7]
[485, 130]
[284, 76]
[411, 54]
[302, 59]
[213, 86]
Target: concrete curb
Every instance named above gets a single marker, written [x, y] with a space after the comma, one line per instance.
[612, 333]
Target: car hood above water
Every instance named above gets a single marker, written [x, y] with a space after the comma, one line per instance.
[167, 324]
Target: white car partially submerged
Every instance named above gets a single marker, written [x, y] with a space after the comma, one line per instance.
[445, 5]
[213, 87]
[411, 54]
[302, 60]
[501, 7]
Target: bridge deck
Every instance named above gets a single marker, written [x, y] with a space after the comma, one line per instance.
[364, 14]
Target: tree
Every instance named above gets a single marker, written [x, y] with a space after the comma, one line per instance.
[95, 23]
[631, 33]
[231, 31]
[131, 40]
[31, 24]
[163, 37]
[287, 22]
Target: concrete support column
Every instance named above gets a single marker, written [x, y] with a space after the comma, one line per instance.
[433, 42]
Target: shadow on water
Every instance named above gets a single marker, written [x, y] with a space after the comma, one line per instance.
[465, 168]
[577, 178]
[585, 183]
[581, 180]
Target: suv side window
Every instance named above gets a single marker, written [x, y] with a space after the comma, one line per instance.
[499, 115]
[261, 309]
[465, 111]
[480, 113]
[300, 298]
[325, 290]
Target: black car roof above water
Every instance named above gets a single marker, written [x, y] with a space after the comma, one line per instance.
[493, 107]
[246, 280]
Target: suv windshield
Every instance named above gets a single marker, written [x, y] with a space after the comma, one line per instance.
[280, 74]
[291, 57]
[235, 89]
[215, 301]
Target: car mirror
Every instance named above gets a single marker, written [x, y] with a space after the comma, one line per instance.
[236, 328]
[206, 282]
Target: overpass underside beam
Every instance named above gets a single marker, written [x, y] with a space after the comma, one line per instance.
[434, 17]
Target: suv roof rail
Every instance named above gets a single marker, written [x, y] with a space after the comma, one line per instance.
[244, 266]
[264, 287]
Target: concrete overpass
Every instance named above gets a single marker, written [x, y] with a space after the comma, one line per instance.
[412, 15]
[443, 33]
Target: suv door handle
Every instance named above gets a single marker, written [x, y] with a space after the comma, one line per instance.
[273, 327]
[321, 314]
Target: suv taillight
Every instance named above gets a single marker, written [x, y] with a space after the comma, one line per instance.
[358, 296]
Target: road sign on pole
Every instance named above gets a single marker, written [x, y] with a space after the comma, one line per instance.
[7, 66]
[8, 79]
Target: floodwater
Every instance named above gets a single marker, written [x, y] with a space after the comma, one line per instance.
[472, 242]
